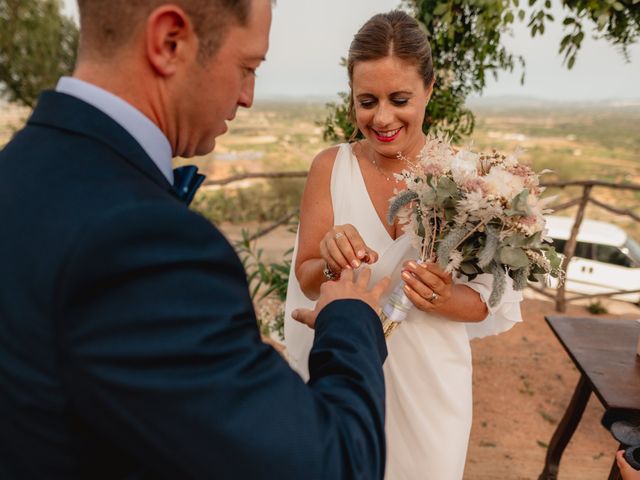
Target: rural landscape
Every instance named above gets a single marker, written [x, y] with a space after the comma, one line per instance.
[523, 379]
[573, 141]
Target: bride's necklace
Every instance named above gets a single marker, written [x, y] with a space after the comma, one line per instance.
[377, 167]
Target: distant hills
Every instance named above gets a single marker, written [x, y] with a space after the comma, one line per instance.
[506, 102]
[501, 102]
[534, 102]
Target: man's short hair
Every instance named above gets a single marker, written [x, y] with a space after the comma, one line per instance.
[107, 25]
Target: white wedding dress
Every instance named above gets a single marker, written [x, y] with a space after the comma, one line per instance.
[428, 369]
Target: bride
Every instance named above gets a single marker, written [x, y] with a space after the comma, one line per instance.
[342, 226]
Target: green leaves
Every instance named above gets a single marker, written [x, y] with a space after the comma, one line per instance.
[445, 190]
[555, 260]
[37, 46]
[441, 9]
[488, 252]
[429, 197]
[513, 257]
[466, 39]
[519, 205]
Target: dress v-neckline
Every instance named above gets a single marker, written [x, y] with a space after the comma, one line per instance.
[372, 207]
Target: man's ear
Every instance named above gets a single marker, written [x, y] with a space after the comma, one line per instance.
[171, 39]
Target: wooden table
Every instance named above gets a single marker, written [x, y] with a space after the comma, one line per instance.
[604, 351]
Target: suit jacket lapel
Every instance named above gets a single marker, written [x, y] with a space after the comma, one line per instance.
[65, 112]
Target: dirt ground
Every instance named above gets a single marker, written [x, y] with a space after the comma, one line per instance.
[523, 381]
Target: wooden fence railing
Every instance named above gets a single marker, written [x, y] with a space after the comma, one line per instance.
[581, 201]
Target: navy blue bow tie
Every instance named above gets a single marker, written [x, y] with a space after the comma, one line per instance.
[186, 181]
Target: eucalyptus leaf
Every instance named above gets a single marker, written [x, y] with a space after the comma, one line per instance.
[467, 268]
[519, 205]
[446, 189]
[555, 260]
[450, 213]
[513, 257]
[428, 197]
[517, 240]
[534, 241]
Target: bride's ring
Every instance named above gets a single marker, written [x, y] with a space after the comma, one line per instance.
[338, 235]
[434, 297]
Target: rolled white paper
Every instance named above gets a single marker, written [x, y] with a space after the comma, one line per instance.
[398, 305]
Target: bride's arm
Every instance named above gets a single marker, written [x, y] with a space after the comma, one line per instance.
[465, 305]
[316, 219]
[321, 244]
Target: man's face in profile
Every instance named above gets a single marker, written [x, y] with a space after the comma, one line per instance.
[225, 81]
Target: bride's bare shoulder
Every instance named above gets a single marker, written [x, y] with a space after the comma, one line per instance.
[322, 164]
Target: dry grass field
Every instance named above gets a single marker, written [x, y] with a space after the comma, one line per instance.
[12, 117]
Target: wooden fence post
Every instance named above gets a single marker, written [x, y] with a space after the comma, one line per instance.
[570, 247]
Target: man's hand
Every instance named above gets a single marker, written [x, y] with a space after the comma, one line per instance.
[626, 470]
[343, 289]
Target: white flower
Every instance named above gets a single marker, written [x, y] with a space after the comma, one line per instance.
[472, 202]
[511, 160]
[541, 204]
[437, 154]
[475, 206]
[503, 184]
[464, 166]
[531, 224]
[461, 217]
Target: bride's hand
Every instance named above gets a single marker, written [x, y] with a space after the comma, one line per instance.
[427, 285]
[343, 248]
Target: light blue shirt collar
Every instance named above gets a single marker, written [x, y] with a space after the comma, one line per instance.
[143, 130]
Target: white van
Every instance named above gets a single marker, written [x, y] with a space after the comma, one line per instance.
[606, 258]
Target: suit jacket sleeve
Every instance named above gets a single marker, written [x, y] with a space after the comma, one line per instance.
[160, 353]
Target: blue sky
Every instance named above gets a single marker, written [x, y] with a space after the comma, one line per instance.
[308, 38]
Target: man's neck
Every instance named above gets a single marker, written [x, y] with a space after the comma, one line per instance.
[132, 87]
[151, 138]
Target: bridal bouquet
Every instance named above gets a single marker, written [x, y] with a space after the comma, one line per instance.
[473, 213]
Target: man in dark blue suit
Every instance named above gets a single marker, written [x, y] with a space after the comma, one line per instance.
[128, 343]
